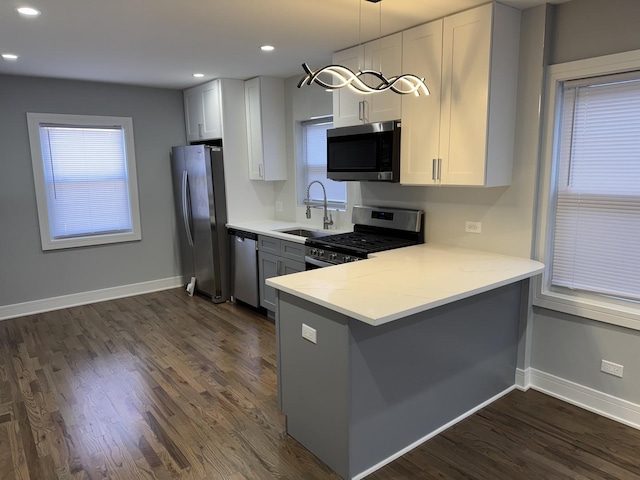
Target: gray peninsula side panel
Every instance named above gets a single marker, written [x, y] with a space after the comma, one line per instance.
[314, 379]
[412, 376]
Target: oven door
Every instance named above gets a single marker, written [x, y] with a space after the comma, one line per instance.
[313, 263]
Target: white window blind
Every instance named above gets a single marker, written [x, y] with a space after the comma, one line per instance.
[314, 166]
[596, 244]
[85, 173]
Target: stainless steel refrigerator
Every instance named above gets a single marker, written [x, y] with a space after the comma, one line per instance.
[201, 208]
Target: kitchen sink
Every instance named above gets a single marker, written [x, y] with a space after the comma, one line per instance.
[301, 232]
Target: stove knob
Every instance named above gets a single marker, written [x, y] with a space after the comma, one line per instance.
[333, 256]
[321, 253]
[346, 259]
[314, 252]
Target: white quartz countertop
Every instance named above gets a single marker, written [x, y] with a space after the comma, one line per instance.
[273, 227]
[398, 283]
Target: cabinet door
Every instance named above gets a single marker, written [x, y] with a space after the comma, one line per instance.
[274, 154]
[292, 250]
[465, 96]
[347, 109]
[268, 266]
[269, 244]
[383, 55]
[291, 266]
[421, 56]
[202, 112]
[254, 128]
[193, 113]
[212, 124]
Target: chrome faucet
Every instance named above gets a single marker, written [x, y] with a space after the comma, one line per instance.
[326, 220]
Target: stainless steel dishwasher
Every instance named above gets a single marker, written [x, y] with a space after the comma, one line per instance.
[244, 267]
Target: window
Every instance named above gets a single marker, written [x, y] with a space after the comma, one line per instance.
[592, 221]
[85, 178]
[313, 166]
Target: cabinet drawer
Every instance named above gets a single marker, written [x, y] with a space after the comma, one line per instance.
[292, 250]
[269, 244]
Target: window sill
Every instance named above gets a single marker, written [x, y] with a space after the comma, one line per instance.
[89, 241]
[589, 306]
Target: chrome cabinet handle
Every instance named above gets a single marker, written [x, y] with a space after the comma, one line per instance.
[200, 130]
[439, 169]
[279, 267]
[361, 110]
[433, 169]
[260, 172]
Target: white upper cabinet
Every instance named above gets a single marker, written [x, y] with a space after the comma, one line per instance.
[347, 106]
[383, 55]
[202, 111]
[351, 108]
[420, 141]
[477, 97]
[264, 101]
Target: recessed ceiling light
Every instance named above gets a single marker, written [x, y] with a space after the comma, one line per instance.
[198, 75]
[9, 56]
[28, 11]
[267, 48]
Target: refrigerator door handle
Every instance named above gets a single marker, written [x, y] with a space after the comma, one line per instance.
[186, 211]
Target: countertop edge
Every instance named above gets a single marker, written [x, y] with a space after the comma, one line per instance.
[523, 268]
[403, 313]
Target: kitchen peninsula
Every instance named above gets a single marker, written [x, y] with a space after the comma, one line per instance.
[376, 356]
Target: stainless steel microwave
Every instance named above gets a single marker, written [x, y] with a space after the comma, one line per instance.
[369, 152]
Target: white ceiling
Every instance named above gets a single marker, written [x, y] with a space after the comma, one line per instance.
[162, 42]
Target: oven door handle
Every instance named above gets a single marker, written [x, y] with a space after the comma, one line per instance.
[318, 263]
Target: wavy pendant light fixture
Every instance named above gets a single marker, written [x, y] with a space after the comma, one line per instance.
[344, 77]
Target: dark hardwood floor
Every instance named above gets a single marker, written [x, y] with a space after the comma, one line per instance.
[164, 386]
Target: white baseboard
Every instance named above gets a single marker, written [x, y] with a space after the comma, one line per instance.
[420, 441]
[523, 379]
[595, 401]
[83, 298]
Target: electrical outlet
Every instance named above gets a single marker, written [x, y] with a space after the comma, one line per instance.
[278, 206]
[473, 227]
[612, 368]
[309, 333]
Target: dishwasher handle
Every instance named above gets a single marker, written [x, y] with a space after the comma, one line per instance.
[242, 234]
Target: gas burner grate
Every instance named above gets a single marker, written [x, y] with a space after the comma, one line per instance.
[367, 243]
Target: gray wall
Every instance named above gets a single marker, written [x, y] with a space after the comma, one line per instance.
[563, 345]
[592, 28]
[26, 273]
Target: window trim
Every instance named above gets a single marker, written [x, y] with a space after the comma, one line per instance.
[34, 120]
[591, 306]
[301, 195]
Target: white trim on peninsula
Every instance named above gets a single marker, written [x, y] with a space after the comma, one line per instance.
[83, 298]
[420, 441]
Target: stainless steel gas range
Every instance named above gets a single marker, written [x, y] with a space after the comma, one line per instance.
[376, 229]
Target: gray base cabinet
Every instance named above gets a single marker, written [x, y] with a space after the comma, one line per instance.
[275, 258]
[363, 393]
